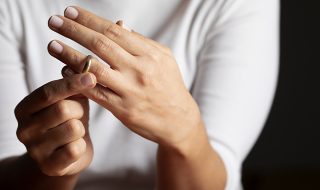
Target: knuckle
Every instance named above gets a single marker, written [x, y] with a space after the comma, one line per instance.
[99, 95]
[86, 20]
[139, 69]
[103, 95]
[155, 57]
[75, 58]
[74, 151]
[112, 31]
[70, 29]
[102, 73]
[71, 86]
[75, 128]
[144, 79]
[22, 135]
[144, 74]
[61, 109]
[34, 153]
[131, 117]
[71, 57]
[101, 44]
[106, 96]
[46, 93]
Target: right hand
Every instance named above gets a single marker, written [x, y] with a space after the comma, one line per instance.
[53, 125]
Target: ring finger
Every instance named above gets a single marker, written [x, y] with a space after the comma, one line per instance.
[61, 135]
[99, 44]
[105, 75]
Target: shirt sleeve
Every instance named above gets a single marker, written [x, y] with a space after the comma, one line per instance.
[12, 80]
[236, 78]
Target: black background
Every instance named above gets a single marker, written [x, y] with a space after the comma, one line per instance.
[287, 154]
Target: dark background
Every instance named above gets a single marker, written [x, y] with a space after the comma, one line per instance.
[287, 154]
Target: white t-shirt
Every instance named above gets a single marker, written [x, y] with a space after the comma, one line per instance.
[227, 51]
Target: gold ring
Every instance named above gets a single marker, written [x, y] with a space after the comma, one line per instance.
[87, 64]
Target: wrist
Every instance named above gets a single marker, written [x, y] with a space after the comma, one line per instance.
[190, 146]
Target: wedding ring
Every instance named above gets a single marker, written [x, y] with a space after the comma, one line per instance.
[87, 64]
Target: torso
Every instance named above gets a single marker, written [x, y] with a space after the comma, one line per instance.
[122, 159]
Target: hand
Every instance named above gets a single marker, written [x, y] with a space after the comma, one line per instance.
[142, 87]
[53, 125]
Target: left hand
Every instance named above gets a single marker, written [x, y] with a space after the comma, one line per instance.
[143, 86]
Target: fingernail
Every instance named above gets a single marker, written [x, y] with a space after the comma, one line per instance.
[87, 80]
[123, 25]
[55, 22]
[120, 23]
[68, 72]
[71, 13]
[55, 47]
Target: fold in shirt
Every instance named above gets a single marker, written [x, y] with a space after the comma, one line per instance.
[227, 51]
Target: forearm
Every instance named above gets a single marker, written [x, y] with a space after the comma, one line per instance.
[195, 166]
[22, 173]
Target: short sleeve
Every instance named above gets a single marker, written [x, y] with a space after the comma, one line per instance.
[12, 80]
[236, 78]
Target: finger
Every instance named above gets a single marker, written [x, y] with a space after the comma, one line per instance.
[52, 92]
[61, 135]
[105, 75]
[105, 97]
[144, 39]
[116, 33]
[26, 133]
[52, 116]
[123, 25]
[99, 44]
[56, 114]
[65, 156]
[100, 94]
[156, 44]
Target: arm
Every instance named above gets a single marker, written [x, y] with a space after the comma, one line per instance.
[193, 165]
[152, 102]
[236, 79]
[234, 88]
[53, 125]
[144, 89]
[18, 169]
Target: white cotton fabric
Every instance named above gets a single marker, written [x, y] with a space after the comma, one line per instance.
[227, 51]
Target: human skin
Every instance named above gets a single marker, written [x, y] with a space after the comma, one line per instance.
[53, 125]
[144, 89]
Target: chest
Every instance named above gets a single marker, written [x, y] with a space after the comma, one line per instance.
[163, 21]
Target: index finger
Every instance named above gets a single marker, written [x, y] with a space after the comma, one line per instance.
[54, 91]
[124, 38]
[106, 49]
